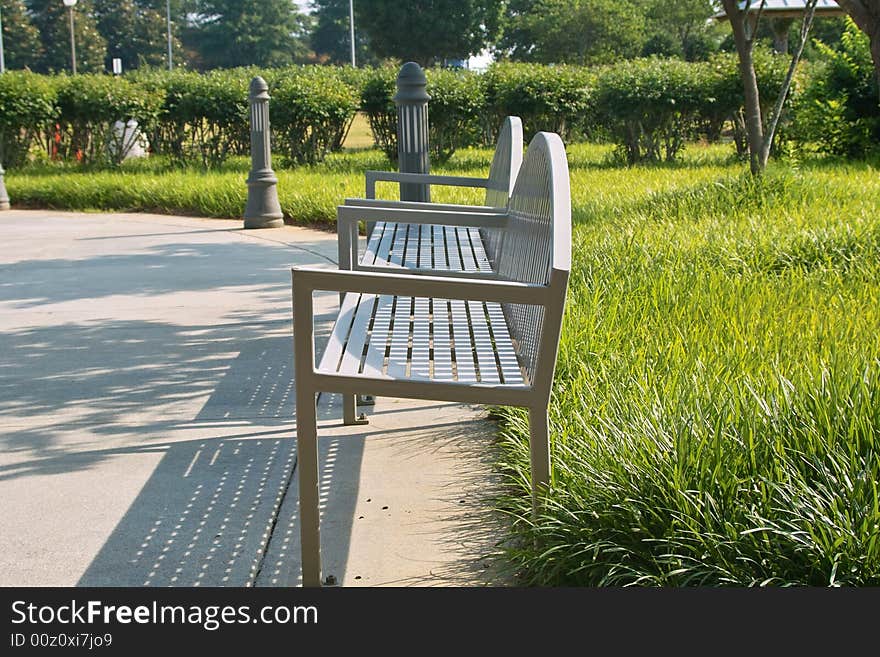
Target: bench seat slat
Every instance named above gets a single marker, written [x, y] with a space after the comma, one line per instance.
[374, 363]
[442, 345]
[333, 351]
[451, 241]
[463, 243]
[411, 245]
[398, 355]
[373, 242]
[421, 336]
[398, 244]
[383, 251]
[441, 261]
[510, 367]
[426, 255]
[357, 337]
[482, 341]
[461, 336]
[482, 260]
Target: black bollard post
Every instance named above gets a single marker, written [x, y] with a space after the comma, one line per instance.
[412, 129]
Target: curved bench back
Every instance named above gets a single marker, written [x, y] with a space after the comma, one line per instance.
[536, 248]
[502, 175]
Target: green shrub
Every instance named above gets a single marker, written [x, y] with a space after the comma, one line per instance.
[311, 111]
[555, 98]
[839, 112]
[377, 93]
[454, 112]
[27, 108]
[205, 116]
[651, 106]
[89, 106]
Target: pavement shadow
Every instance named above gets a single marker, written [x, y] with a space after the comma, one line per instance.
[160, 269]
[90, 372]
[203, 517]
[210, 506]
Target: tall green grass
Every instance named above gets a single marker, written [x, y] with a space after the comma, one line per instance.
[716, 413]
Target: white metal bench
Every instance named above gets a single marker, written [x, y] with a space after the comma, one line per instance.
[490, 337]
[391, 243]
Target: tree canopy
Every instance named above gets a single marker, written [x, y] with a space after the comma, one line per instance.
[135, 32]
[21, 40]
[331, 37]
[227, 33]
[50, 17]
[429, 31]
[600, 31]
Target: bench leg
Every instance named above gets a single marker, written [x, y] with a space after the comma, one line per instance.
[539, 451]
[309, 501]
[349, 411]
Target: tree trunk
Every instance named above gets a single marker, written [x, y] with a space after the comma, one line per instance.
[875, 55]
[754, 128]
[773, 120]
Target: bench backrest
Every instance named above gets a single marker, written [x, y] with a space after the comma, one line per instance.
[536, 248]
[502, 175]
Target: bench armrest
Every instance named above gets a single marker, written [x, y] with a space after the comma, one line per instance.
[309, 279]
[419, 205]
[426, 178]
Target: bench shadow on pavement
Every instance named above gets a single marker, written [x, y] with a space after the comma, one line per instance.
[209, 509]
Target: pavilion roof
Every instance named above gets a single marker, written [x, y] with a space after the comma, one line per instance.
[790, 8]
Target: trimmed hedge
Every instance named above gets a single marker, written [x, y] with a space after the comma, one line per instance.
[89, 106]
[653, 106]
[560, 99]
[648, 107]
[311, 111]
[27, 109]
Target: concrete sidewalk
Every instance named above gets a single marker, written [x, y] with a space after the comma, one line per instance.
[147, 416]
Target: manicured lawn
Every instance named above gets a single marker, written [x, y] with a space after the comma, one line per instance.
[716, 416]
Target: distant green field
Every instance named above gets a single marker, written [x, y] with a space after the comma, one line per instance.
[716, 414]
[359, 135]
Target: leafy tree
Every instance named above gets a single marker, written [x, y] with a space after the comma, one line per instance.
[744, 21]
[135, 33]
[686, 25]
[50, 17]
[330, 38]
[838, 109]
[866, 14]
[21, 40]
[229, 33]
[573, 31]
[429, 31]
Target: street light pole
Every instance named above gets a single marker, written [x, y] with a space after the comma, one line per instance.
[351, 28]
[2, 58]
[70, 4]
[168, 20]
